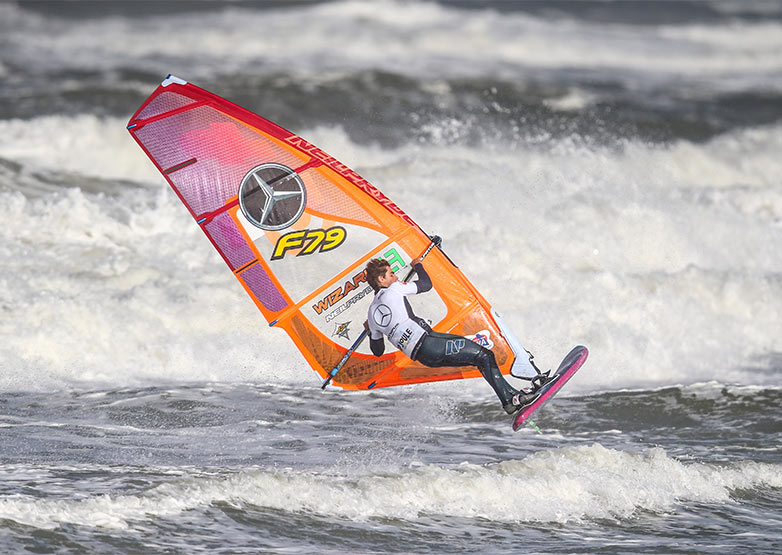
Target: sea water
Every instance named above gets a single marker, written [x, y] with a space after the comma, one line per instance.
[606, 174]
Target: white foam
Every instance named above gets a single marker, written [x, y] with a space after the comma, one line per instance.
[85, 144]
[101, 291]
[661, 259]
[565, 485]
[574, 100]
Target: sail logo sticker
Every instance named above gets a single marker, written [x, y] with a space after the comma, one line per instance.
[317, 240]
[350, 290]
[482, 338]
[342, 330]
[272, 196]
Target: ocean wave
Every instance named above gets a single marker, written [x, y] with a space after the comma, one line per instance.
[420, 38]
[565, 485]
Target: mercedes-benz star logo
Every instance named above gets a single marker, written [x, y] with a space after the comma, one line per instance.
[272, 196]
[382, 315]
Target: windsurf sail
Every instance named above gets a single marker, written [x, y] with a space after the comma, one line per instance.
[297, 227]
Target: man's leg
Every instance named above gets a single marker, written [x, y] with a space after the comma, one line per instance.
[441, 349]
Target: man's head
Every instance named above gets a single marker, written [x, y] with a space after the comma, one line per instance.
[379, 274]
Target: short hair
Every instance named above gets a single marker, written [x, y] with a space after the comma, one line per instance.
[376, 268]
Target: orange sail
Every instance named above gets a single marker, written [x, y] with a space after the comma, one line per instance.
[297, 228]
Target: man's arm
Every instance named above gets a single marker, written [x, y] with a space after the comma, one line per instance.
[378, 346]
[424, 282]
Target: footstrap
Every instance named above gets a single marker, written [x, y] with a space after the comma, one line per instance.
[541, 379]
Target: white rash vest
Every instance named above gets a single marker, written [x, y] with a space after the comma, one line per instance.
[388, 316]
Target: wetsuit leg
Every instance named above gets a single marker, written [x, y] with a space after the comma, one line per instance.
[442, 349]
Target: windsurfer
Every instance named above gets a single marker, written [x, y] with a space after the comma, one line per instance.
[390, 314]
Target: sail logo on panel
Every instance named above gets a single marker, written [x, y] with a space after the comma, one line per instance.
[482, 338]
[272, 196]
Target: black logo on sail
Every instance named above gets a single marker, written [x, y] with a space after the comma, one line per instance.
[272, 196]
